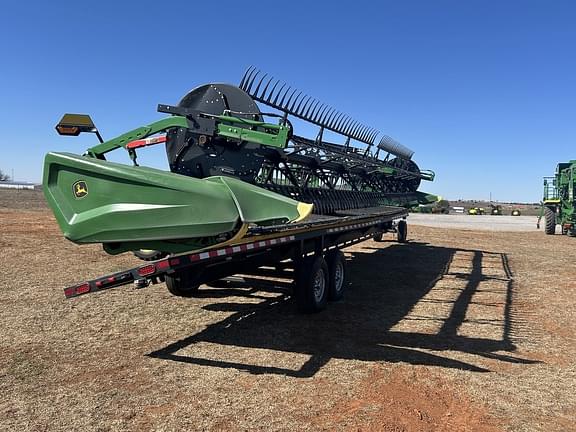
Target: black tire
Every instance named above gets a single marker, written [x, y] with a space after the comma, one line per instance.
[378, 237]
[182, 284]
[550, 221]
[402, 231]
[336, 274]
[149, 254]
[311, 284]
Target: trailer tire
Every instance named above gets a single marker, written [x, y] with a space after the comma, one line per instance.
[311, 285]
[550, 221]
[336, 274]
[378, 237]
[182, 284]
[402, 231]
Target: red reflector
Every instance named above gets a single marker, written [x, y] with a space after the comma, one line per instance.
[68, 130]
[163, 265]
[175, 261]
[82, 289]
[146, 270]
[98, 283]
[69, 292]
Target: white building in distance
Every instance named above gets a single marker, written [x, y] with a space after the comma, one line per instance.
[16, 185]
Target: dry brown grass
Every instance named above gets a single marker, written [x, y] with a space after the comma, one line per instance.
[457, 330]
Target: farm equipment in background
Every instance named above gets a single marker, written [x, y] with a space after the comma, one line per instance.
[474, 211]
[495, 210]
[231, 170]
[558, 204]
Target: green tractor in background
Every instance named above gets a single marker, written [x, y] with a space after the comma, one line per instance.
[558, 204]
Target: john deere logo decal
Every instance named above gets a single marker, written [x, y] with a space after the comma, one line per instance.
[80, 189]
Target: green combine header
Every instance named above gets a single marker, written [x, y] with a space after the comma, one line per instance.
[559, 204]
[230, 170]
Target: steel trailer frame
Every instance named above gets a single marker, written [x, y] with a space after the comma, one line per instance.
[302, 246]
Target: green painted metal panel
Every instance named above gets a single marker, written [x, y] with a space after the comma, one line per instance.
[136, 134]
[96, 201]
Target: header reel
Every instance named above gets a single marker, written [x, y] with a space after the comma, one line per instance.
[333, 177]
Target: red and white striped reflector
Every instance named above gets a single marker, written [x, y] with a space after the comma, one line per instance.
[146, 142]
[240, 248]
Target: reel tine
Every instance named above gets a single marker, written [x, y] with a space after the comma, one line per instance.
[321, 114]
[348, 127]
[246, 72]
[297, 110]
[374, 135]
[330, 119]
[316, 116]
[368, 134]
[252, 81]
[267, 89]
[272, 91]
[352, 126]
[248, 77]
[345, 125]
[338, 120]
[390, 145]
[311, 107]
[382, 142]
[285, 106]
[295, 100]
[335, 120]
[344, 120]
[279, 93]
[362, 133]
[263, 95]
[259, 84]
[357, 132]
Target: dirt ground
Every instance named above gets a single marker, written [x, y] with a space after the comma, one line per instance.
[454, 331]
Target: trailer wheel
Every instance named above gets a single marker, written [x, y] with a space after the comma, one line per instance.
[182, 284]
[336, 274]
[378, 237]
[550, 221]
[311, 284]
[149, 254]
[402, 231]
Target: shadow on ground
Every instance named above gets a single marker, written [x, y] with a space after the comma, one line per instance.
[412, 303]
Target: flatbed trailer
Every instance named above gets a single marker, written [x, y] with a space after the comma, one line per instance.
[312, 249]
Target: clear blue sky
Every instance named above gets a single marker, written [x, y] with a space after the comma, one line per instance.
[483, 91]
